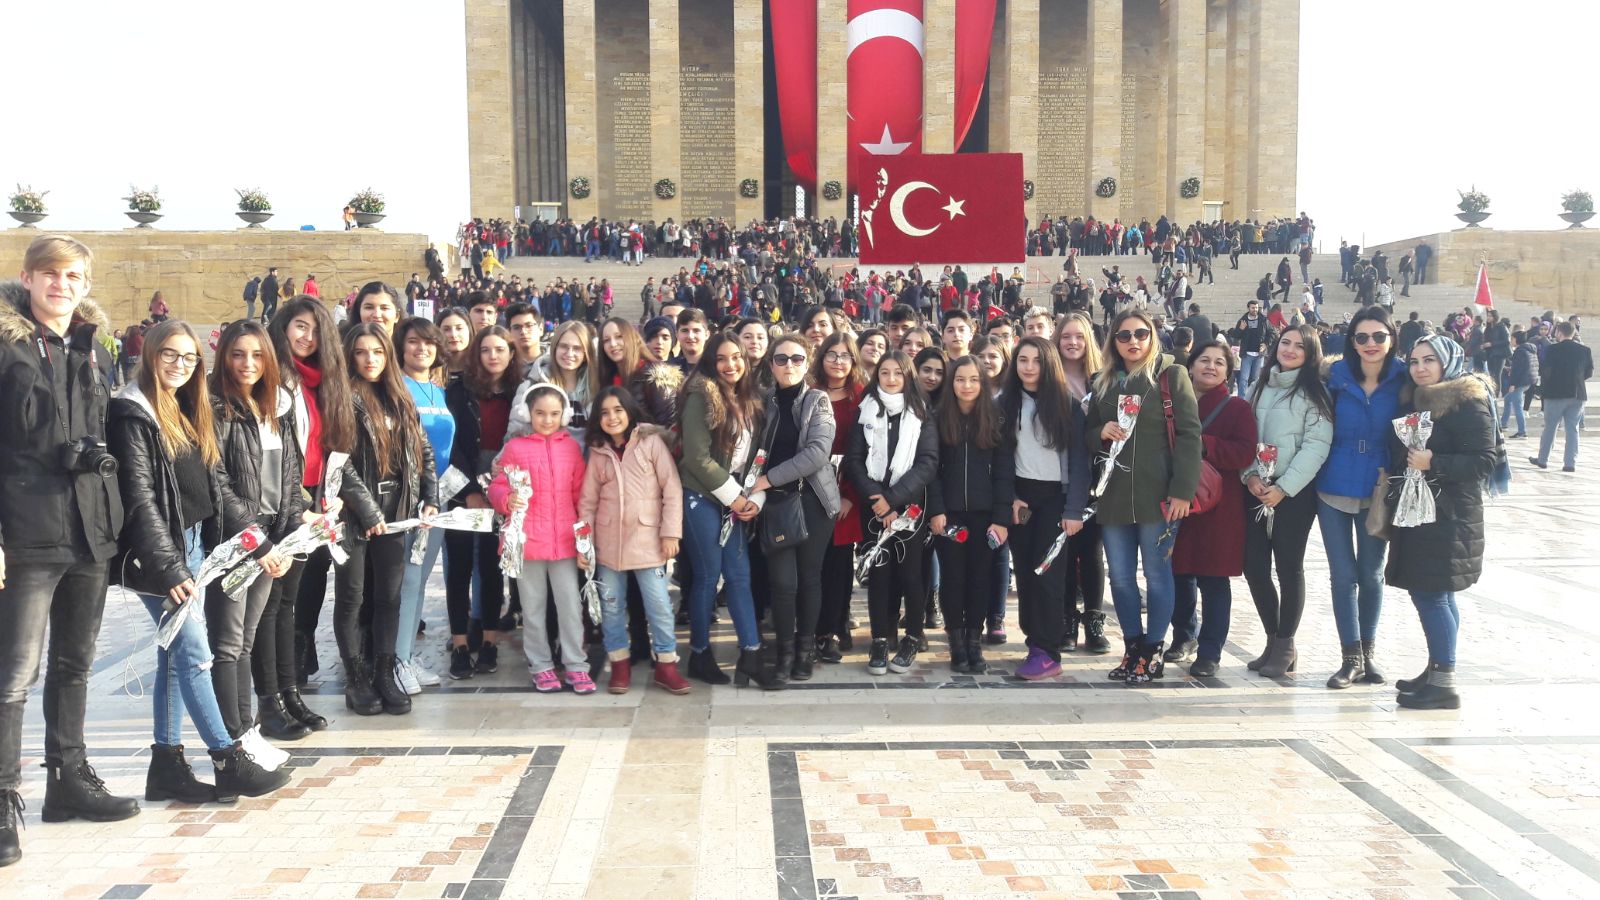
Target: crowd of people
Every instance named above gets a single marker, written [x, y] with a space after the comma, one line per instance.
[930, 439]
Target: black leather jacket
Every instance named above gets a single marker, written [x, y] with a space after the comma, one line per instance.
[239, 439]
[369, 498]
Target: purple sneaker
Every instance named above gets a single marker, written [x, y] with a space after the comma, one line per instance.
[1038, 666]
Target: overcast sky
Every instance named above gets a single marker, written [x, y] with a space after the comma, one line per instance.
[1401, 103]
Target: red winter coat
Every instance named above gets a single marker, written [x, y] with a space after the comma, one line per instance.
[555, 465]
[847, 528]
[1213, 543]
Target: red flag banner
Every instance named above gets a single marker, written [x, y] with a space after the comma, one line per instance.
[974, 32]
[884, 72]
[1485, 297]
[794, 60]
[955, 207]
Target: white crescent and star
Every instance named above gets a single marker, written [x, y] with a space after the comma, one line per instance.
[885, 23]
[897, 208]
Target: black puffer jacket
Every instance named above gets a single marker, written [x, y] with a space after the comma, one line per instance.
[239, 439]
[35, 522]
[369, 498]
[1447, 554]
[912, 487]
[972, 479]
[152, 558]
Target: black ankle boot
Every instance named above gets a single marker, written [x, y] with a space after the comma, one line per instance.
[958, 649]
[171, 778]
[1069, 637]
[277, 723]
[703, 666]
[359, 697]
[752, 667]
[805, 658]
[976, 664]
[295, 706]
[1372, 676]
[1094, 633]
[1438, 692]
[1130, 660]
[395, 700]
[828, 650]
[80, 794]
[1151, 665]
[1351, 669]
[784, 665]
[305, 657]
[11, 807]
[239, 775]
[931, 620]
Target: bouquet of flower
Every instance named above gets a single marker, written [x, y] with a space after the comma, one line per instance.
[1127, 414]
[322, 531]
[1415, 505]
[512, 537]
[1266, 468]
[905, 522]
[957, 533]
[591, 585]
[460, 519]
[228, 554]
[750, 479]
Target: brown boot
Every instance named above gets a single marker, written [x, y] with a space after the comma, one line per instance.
[667, 676]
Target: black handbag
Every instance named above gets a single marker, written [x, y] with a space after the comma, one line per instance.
[783, 520]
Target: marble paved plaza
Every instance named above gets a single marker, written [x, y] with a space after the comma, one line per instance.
[923, 785]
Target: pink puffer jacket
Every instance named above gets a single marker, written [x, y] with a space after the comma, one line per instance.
[555, 465]
[633, 501]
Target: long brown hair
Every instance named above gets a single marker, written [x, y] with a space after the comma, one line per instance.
[632, 353]
[1308, 381]
[1052, 405]
[333, 394]
[389, 396]
[1111, 362]
[183, 417]
[818, 376]
[982, 425]
[479, 381]
[739, 405]
[261, 400]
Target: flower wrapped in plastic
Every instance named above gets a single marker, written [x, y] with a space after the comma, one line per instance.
[1415, 506]
[228, 554]
[459, 519]
[512, 537]
[1127, 414]
[750, 479]
[584, 536]
[957, 533]
[1266, 470]
[905, 523]
[1058, 545]
[323, 531]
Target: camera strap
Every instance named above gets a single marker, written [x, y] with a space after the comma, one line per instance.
[49, 368]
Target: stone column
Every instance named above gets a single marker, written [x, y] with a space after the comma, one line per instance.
[665, 114]
[1239, 166]
[832, 109]
[583, 159]
[1105, 104]
[1022, 84]
[491, 155]
[939, 76]
[1186, 103]
[749, 143]
[1214, 183]
[1275, 117]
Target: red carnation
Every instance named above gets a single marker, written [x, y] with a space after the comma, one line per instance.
[250, 539]
[913, 511]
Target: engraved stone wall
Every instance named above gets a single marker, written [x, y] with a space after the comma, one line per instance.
[706, 99]
[622, 88]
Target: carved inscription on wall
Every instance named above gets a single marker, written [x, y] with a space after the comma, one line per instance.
[625, 151]
[1130, 146]
[707, 132]
[1063, 141]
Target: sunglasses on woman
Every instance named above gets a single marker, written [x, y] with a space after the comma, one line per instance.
[1374, 337]
[1138, 334]
[779, 359]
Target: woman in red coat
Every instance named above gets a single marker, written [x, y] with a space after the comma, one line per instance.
[1210, 546]
[837, 371]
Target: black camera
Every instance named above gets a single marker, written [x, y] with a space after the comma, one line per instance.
[88, 454]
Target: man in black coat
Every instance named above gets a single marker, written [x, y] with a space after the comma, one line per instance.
[60, 516]
[1563, 369]
[269, 294]
[1199, 324]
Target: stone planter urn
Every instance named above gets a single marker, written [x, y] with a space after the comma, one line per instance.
[143, 218]
[29, 218]
[367, 220]
[253, 218]
[1473, 218]
[1576, 219]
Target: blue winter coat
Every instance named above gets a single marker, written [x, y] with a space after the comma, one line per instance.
[1361, 428]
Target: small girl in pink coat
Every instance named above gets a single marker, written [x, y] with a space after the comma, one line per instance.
[554, 463]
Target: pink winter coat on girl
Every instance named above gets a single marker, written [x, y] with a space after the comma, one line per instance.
[633, 501]
[554, 463]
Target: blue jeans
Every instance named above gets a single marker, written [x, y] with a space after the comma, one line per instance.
[1000, 587]
[1441, 619]
[1125, 544]
[413, 584]
[1566, 414]
[1355, 572]
[657, 610]
[702, 522]
[1513, 401]
[1210, 617]
[1249, 368]
[186, 665]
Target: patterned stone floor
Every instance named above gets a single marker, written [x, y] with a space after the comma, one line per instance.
[917, 786]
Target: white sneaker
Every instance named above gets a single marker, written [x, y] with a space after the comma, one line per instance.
[404, 675]
[422, 673]
[266, 755]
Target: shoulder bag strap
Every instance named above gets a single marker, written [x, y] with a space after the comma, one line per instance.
[1166, 408]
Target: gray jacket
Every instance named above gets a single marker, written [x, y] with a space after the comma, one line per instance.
[813, 458]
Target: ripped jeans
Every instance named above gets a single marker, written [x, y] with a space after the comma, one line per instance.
[186, 666]
[657, 611]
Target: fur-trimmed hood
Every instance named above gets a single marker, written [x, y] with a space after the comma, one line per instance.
[663, 376]
[1448, 396]
[16, 325]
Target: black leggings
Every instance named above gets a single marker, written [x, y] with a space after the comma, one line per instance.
[794, 575]
[1291, 528]
[464, 553]
[313, 588]
[965, 572]
[898, 575]
[351, 617]
[1041, 599]
[1086, 570]
[272, 660]
[838, 567]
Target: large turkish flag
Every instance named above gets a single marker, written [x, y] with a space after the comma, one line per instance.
[884, 71]
[955, 207]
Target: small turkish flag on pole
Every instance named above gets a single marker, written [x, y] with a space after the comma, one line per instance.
[939, 208]
[1485, 297]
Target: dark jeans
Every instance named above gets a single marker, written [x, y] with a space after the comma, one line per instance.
[311, 591]
[999, 587]
[1280, 605]
[838, 564]
[1209, 618]
[69, 598]
[272, 660]
[464, 553]
[1041, 599]
[1086, 570]
[387, 554]
[965, 571]
[897, 577]
[231, 628]
[794, 575]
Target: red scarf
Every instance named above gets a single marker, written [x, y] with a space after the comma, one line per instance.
[310, 379]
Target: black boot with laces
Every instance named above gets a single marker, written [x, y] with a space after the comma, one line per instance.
[80, 794]
[11, 807]
[239, 775]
